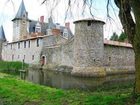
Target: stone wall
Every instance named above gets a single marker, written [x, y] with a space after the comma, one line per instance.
[60, 52]
[118, 57]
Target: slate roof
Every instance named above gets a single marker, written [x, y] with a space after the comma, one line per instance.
[32, 26]
[2, 34]
[44, 26]
[20, 12]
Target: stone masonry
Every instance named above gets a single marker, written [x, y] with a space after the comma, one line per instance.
[86, 52]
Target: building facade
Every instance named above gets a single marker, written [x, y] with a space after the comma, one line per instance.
[49, 43]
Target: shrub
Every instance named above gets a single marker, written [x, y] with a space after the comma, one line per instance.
[12, 66]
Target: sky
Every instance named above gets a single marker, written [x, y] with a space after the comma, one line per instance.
[34, 8]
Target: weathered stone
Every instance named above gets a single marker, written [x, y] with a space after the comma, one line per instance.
[89, 71]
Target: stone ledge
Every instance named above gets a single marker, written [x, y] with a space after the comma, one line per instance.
[111, 71]
[89, 71]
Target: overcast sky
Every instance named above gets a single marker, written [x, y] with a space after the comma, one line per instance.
[35, 10]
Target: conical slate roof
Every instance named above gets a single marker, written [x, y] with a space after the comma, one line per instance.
[20, 12]
[2, 34]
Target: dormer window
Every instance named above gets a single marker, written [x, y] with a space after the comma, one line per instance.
[38, 27]
[23, 15]
[65, 33]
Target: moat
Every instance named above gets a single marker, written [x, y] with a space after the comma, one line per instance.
[65, 80]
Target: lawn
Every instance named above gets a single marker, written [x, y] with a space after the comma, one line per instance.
[14, 91]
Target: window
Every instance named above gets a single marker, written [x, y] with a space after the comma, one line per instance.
[89, 23]
[11, 46]
[24, 44]
[18, 45]
[12, 57]
[37, 42]
[18, 56]
[17, 23]
[24, 57]
[32, 57]
[29, 43]
[37, 29]
[23, 22]
[109, 58]
[65, 35]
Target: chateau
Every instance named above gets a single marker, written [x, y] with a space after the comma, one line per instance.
[86, 51]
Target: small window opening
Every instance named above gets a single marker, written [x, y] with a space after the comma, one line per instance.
[19, 45]
[24, 44]
[29, 44]
[109, 58]
[89, 23]
[32, 57]
[37, 42]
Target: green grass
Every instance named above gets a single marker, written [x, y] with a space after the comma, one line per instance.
[14, 91]
[11, 66]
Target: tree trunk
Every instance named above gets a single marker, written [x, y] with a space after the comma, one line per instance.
[136, 43]
[132, 29]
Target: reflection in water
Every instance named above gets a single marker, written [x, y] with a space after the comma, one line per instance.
[67, 81]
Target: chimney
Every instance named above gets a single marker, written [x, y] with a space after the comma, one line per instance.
[67, 25]
[42, 19]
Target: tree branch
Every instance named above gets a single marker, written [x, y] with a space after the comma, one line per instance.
[126, 18]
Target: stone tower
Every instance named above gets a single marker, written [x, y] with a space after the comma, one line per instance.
[88, 48]
[2, 39]
[21, 24]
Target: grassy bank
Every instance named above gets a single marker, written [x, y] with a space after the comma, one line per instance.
[11, 67]
[17, 92]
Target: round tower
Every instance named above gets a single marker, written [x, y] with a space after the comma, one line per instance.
[88, 48]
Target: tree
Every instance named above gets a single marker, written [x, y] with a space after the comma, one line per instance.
[114, 37]
[131, 28]
[122, 37]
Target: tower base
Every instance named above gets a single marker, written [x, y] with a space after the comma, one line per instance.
[89, 71]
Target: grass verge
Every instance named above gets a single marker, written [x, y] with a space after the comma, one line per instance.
[11, 67]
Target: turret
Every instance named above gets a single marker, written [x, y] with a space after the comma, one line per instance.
[2, 39]
[21, 23]
[2, 34]
[88, 47]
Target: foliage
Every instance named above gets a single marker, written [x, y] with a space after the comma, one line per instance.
[114, 37]
[122, 37]
[18, 92]
[11, 66]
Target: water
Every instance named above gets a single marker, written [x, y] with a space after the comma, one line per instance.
[67, 81]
